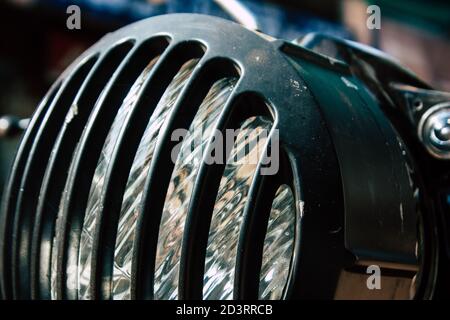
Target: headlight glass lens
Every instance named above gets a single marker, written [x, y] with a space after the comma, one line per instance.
[121, 288]
[180, 189]
[228, 211]
[278, 245]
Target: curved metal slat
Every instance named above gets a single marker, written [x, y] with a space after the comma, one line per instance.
[250, 245]
[180, 188]
[160, 171]
[57, 169]
[176, 63]
[241, 106]
[8, 200]
[269, 232]
[116, 173]
[227, 216]
[32, 177]
[71, 210]
[93, 205]
[126, 226]
[25, 214]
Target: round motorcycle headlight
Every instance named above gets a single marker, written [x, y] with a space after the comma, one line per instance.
[186, 157]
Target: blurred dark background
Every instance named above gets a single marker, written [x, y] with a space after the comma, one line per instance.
[36, 46]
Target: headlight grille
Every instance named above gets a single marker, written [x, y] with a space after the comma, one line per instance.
[98, 206]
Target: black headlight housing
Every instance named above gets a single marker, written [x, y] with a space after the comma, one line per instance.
[369, 186]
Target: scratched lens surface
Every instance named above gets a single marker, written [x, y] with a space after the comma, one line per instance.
[278, 245]
[121, 288]
[227, 215]
[180, 189]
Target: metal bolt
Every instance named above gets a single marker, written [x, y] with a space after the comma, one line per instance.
[439, 130]
[443, 133]
[434, 130]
